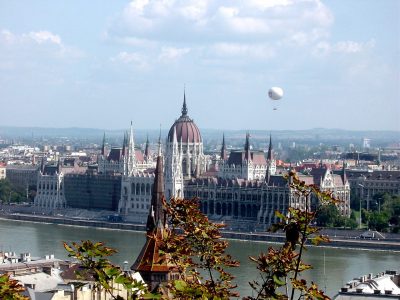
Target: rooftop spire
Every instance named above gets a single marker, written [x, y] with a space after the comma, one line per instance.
[156, 215]
[247, 146]
[184, 107]
[159, 143]
[103, 146]
[223, 148]
[147, 148]
[269, 155]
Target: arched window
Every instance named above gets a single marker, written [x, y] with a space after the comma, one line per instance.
[137, 189]
[148, 189]
[142, 189]
[218, 208]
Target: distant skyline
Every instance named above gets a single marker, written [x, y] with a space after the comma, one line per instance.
[80, 64]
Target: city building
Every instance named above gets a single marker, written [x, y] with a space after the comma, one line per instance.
[136, 183]
[248, 201]
[22, 176]
[92, 191]
[50, 183]
[367, 184]
[385, 285]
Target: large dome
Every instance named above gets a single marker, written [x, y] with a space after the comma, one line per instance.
[186, 130]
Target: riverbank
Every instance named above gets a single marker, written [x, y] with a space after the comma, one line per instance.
[336, 242]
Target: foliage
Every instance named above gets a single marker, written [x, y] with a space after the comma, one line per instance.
[11, 289]
[9, 193]
[95, 265]
[279, 267]
[329, 216]
[193, 244]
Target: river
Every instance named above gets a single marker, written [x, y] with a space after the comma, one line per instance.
[332, 267]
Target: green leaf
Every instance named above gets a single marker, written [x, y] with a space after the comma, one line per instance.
[278, 281]
[180, 285]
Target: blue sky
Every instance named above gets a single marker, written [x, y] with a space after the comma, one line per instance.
[102, 64]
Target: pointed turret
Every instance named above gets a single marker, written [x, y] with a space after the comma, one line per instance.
[156, 215]
[131, 152]
[247, 147]
[344, 176]
[124, 145]
[42, 165]
[147, 148]
[103, 146]
[224, 155]
[184, 107]
[270, 155]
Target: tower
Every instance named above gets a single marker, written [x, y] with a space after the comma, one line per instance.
[131, 162]
[271, 163]
[173, 169]
[224, 154]
[189, 138]
[154, 267]
[147, 149]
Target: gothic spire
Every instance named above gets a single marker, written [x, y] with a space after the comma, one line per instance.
[156, 215]
[270, 156]
[103, 146]
[159, 143]
[124, 144]
[184, 107]
[344, 177]
[247, 147]
[223, 148]
[147, 148]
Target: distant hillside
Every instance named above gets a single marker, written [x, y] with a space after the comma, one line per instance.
[310, 135]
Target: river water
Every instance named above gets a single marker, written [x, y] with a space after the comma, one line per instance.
[332, 267]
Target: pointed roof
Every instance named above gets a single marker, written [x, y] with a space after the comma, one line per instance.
[147, 148]
[103, 146]
[224, 155]
[247, 147]
[344, 176]
[184, 107]
[270, 155]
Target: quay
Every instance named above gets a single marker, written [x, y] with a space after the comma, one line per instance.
[340, 241]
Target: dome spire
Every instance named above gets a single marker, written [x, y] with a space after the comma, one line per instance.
[184, 107]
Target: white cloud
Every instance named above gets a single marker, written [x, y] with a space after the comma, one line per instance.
[169, 54]
[36, 44]
[268, 4]
[133, 58]
[192, 20]
[324, 48]
[44, 37]
[353, 47]
[249, 51]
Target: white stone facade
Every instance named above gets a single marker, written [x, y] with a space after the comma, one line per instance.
[50, 191]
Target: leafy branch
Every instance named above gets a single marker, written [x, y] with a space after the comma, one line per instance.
[193, 244]
[279, 267]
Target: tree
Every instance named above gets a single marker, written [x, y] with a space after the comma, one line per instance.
[194, 245]
[9, 193]
[279, 267]
[94, 264]
[11, 289]
[329, 216]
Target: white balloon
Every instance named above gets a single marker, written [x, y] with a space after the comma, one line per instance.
[275, 93]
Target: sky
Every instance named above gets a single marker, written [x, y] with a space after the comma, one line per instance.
[103, 64]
